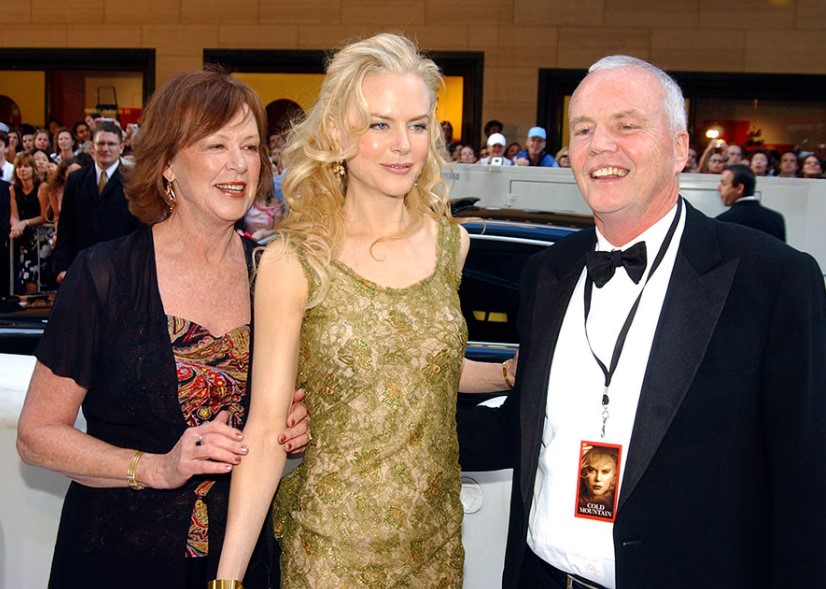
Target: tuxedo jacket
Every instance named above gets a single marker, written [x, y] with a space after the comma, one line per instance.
[87, 217]
[752, 214]
[725, 474]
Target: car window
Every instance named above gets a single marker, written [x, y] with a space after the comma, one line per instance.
[490, 287]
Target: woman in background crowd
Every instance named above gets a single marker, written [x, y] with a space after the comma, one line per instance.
[28, 210]
[512, 149]
[42, 140]
[14, 145]
[64, 145]
[562, 158]
[55, 186]
[812, 167]
[468, 155]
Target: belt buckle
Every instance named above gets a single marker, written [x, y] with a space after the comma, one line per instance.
[572, 582]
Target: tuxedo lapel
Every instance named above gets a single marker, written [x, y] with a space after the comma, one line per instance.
[555, 282]
[697, 292]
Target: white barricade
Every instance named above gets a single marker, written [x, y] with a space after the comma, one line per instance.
[801, 202]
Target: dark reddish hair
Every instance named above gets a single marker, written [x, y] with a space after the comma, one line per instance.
[180, 113]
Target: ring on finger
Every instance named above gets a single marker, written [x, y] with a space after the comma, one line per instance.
[199, 441]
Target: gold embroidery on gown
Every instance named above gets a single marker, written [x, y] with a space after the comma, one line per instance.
[375, 502]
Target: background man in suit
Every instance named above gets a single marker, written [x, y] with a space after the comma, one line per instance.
[736, 190]
[701, 356]
[94, 208]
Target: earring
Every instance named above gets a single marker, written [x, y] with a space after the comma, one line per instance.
[339, 169]
[170, 197]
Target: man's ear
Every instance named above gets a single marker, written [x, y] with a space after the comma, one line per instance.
[741, 190]
[681, 150]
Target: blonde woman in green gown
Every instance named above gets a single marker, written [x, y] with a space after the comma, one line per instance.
[357, 302]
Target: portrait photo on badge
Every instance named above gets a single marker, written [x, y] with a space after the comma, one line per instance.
[599, 468]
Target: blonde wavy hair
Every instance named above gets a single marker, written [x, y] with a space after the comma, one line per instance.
[314, 192]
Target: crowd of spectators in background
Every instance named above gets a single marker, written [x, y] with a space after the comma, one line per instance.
[49, 155]
[34, 165]
[788, 163]
[496, 150]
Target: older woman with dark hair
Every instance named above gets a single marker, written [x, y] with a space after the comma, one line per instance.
[150, 335]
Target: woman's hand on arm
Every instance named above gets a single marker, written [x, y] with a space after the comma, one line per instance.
[210, 448]
[280, 297]
[297, 435]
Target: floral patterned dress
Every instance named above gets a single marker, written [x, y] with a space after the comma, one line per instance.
[375, 502]
[212, 377]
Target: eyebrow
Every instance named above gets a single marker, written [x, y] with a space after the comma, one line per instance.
[386, 118]
[633, 113]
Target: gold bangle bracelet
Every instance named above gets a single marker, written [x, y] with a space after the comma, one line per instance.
[505, 374]
[225, 584]
[130, 473]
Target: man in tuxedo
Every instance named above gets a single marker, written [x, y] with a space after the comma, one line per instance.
[695, 348]
[736, 190]
[94, 207]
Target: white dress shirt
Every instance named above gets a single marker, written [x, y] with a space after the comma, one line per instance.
[574, 409]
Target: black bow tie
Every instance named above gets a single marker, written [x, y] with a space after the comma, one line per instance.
[601, 265]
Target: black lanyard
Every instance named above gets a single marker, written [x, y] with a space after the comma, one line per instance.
[618, 346]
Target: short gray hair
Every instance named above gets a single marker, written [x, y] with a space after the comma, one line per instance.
[672, 94]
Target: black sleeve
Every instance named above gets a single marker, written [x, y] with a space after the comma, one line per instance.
[793, 388]
[70, 343]
[489, 437]
[66, 226]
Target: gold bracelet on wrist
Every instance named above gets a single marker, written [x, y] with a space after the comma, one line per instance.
[505, 374]
[225, 584]
[130, 473]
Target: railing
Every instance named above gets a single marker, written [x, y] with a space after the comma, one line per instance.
[42, 236]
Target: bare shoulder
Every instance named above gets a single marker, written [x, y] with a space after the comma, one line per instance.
[280, 272]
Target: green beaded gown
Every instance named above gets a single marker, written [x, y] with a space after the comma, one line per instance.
[375, 502]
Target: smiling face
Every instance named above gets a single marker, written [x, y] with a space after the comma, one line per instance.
[393, 150]
[536, 145]
[216, 178]
[625, 159]
[64, 141]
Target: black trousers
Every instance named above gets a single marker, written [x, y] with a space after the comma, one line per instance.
[538, 574]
